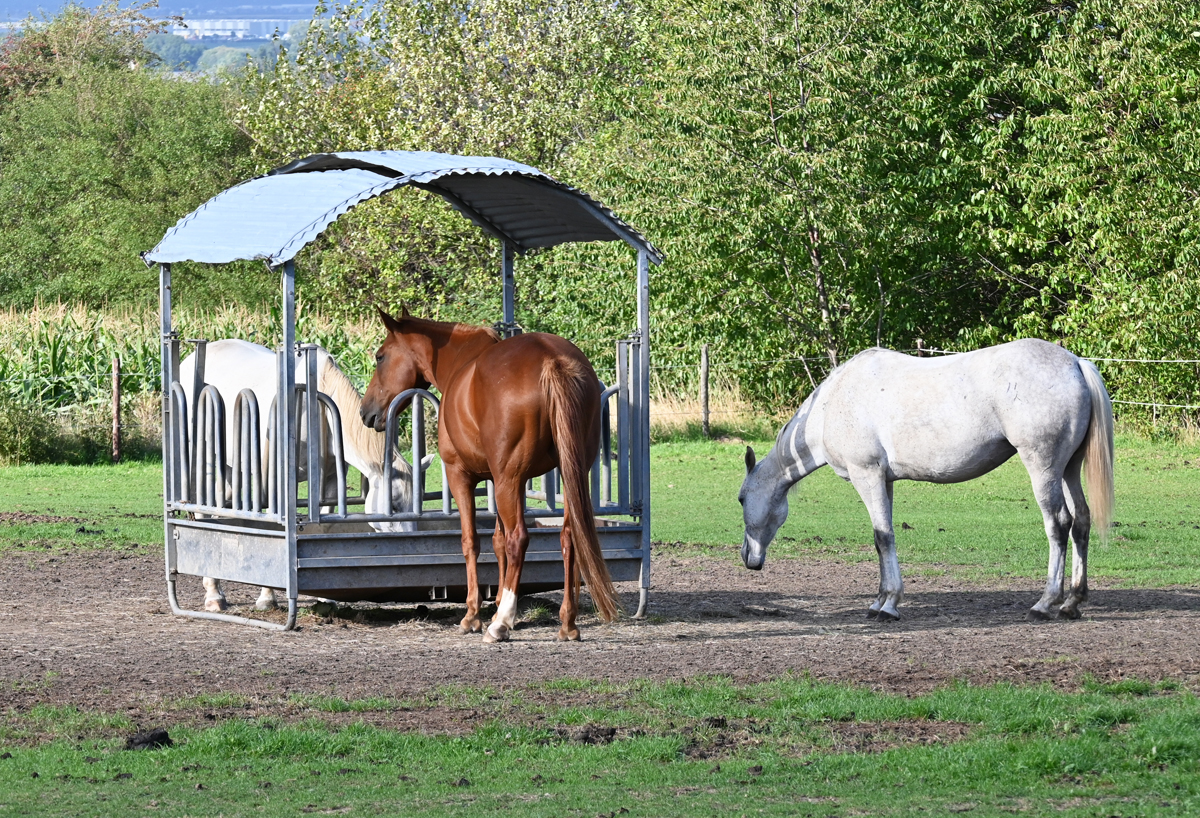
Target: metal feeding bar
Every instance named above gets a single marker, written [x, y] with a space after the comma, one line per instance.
[417, 397]
[232, 509]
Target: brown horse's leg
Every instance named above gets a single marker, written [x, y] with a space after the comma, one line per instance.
[499, 537]
[510, 507]
[570, 603]
[463, 489]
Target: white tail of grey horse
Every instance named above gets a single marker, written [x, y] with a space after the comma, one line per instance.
[883, 417]
[1099, 451]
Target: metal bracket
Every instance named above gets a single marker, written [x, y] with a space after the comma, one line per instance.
[507, 330]
[437, 593]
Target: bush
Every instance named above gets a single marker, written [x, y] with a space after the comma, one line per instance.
[28, 433]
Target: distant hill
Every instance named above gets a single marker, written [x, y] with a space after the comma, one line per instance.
[15, 10]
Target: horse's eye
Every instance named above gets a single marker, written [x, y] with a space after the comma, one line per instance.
[378, 357]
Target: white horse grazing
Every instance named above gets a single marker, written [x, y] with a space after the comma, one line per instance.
[232, 365]
[884, 416]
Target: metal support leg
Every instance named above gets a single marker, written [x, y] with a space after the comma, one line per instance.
[173, 597]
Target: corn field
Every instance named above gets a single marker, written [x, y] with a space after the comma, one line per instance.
[56, 371]
[61, 356]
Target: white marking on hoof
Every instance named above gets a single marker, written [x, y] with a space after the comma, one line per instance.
[215, 605]
[1068, 613]
[498, 632]
[888, 616]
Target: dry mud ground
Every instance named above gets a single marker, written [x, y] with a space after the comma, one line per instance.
[93, 629]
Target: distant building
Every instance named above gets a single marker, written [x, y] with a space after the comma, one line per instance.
[232, 29]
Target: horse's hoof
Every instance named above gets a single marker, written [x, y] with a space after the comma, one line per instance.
[215, 605]
[872, 613]
[885, 615]
[1038, 615]
[565, 635]
[1068, 613]
[469, 625]
[267, 605]
[498, 632]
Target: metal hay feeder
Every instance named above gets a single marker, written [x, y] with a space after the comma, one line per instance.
[287, 542]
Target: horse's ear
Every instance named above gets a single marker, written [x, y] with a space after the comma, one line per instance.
[391, 323]
[749, 459]
[404, 310]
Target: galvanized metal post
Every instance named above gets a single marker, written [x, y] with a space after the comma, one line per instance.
[170, 459]
[287, 433]
[197, 459]
[643, 420]
[418, 453]
[312, 415]
[510, 289]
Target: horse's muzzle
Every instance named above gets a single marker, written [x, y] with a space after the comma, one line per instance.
[753, 561]
[369, 418]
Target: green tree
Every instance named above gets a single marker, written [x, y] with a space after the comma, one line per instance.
[97, 162]
[496, 77]
[224, 58]
[174, 51]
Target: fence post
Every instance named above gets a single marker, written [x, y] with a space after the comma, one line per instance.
[116, 408]
[704, 390]
[920, 348]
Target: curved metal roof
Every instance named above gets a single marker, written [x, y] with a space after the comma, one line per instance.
[273, 217]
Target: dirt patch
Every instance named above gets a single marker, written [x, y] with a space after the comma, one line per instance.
[93, 629]
[24, 517]
[878, 736]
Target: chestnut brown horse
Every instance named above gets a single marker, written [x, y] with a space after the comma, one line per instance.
[511, 410]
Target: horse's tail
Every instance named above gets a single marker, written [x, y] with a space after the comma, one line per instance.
[566, 382]
[1099, 450]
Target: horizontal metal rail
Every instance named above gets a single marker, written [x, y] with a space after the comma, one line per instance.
[369, 561]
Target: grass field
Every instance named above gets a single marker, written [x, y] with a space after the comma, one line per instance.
[704, 747]
[789, 747]
[988, 527]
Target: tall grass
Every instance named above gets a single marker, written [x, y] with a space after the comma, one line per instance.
[56, 371]
[60, 355]
[676, 412]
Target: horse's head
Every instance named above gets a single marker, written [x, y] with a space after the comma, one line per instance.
[764, 508]
[400, 364]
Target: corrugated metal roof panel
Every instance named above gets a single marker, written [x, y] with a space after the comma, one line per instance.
[273, 217]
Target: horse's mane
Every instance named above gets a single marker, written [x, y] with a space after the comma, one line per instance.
[475, 328]
[368, 442]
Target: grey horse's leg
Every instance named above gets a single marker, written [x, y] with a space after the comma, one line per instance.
[876, 493]
[1081, 527]
[1048, 489]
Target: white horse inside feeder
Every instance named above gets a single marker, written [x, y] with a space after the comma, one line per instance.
[884, 416]
[233, 365]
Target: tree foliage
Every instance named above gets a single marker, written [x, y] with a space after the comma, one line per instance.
[487, 77]
[96, 165]
[76, 40]
[823, 177]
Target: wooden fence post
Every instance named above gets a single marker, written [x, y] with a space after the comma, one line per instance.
[920, 348]
[116, 408]
[704, 390]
